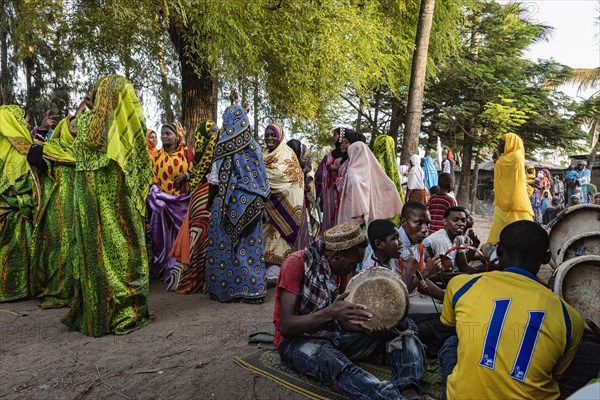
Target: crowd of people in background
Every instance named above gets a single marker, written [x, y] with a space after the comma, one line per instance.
[229, 218]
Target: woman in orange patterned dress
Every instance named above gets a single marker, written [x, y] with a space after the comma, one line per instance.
[168, 197]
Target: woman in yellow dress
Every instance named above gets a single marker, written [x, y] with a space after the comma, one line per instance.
[511, 202]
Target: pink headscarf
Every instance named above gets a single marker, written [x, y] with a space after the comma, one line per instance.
[368, 192]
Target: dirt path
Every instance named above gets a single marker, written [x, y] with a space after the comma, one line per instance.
[186, 352]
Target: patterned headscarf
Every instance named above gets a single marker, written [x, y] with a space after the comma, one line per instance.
[203, 153]
[115, 129]
[15, 142]
[241, 170]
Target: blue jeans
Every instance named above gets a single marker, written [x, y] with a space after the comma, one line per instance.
[448, 356]
[331, 360]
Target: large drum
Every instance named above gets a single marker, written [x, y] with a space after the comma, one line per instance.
[385, 295]
[578, 282]
[575, 231]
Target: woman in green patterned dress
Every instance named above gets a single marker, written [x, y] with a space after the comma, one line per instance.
[51, 279]
[112, 178]
[16, 204]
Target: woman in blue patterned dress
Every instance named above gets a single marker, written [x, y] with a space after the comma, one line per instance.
[239, 188]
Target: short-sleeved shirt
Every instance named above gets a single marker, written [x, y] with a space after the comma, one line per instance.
[440, 243]
[515, 337]
[291, 278]
[437, 206]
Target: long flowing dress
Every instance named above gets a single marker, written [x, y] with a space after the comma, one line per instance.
[191, 245]
[113, 173]
[235, 259]
[52, 246]
[16, 204]
[169, 207]
[368, 192]
[285, 204]
[511, 202]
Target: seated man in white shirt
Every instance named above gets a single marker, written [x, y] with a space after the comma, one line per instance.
[455, 221]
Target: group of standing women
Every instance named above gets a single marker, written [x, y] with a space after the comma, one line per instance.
[218, 217]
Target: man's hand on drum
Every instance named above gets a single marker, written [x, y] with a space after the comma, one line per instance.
[346, 312]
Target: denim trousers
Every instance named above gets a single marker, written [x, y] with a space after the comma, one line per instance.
[331, 359]
[448, 356]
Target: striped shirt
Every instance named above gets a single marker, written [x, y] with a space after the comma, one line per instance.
[438, 204]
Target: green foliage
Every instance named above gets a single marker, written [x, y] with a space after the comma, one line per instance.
[487, 88]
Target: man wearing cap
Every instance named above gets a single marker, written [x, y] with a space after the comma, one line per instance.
[318, 333]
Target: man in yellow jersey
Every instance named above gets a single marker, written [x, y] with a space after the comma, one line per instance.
[515, 337]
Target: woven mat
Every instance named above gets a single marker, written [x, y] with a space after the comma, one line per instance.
[268, 364]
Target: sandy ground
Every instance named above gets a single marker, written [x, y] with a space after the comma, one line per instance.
[186, 352]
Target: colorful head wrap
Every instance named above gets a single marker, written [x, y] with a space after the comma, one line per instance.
[277, 129]
[151, 149]
[174, 128]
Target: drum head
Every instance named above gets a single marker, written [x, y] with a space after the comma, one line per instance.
[384, 294]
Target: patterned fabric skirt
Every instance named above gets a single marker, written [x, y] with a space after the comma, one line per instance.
[110, 273]
[420, 195]
[16, 214]
[168, 213]
[235, 273]
[191, 245]
[52, 245]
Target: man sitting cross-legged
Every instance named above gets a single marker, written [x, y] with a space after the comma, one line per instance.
[515, 337]
[319, 334]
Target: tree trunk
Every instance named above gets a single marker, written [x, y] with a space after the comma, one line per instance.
[410, 143]
[395, 121]
[256, 101]
[6, 94]
[474, 185]
[462, 197]
[596, 148]
[359, 116]
[198, 95]
[165, 95]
